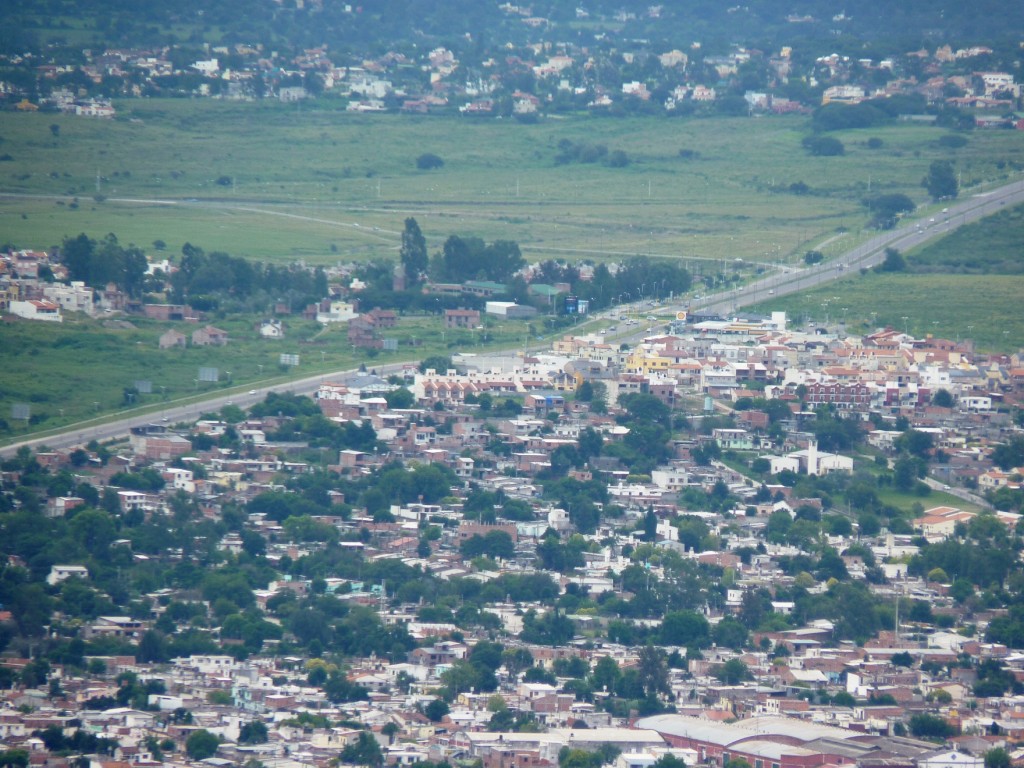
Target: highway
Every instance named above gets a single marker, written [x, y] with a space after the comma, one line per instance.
[865, 255]
[870, 253]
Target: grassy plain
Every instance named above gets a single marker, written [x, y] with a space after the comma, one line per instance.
[986, 308]
[78, 370]
[323, 185]
[991, 246]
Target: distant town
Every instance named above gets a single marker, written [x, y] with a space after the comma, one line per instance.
[534, 78]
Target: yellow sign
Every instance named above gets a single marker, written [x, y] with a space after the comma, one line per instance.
[681, 314]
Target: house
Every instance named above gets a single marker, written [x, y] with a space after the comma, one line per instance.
[59, 573]
[171, 339]
[271, 329]
[116, 626]
[461, 318]
[36, 309]
[208, 336]
[940, 522]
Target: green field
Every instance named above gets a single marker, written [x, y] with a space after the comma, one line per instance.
[79, 370]
[323, 185]
[986, 308]
[992, 246]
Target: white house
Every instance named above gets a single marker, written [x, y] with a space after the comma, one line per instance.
[59, 573]
[36, 309]
[272, 329]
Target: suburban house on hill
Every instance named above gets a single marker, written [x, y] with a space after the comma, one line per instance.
[208, 336]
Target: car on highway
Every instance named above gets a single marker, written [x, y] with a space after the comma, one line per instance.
[252, 391]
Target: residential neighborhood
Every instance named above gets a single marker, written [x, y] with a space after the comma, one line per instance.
[673, 549]
[544, 68]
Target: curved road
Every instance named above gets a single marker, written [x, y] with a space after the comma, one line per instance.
[867, 254]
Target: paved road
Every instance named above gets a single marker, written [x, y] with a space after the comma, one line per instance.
[960, 493]
[867, 254]
[80, 434]
[871, 252]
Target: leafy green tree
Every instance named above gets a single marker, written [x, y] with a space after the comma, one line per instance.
[14, 758]
[823, 146]
[496, 544]
[653, 670]
[364, 751]
[516, 660]
[998, 758]
[730, 633]
[201, 744]
[927, 726]
[685, 628]
[733, 672]
[254, 732]
[413, 251]
[893, 261]
[886, 209]
[436, 710]
[941, 180]
[668, 760]
[552, 628]
[606, 674]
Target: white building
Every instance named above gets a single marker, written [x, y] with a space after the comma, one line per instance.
[35, 309]
[76, 297]
[59, 573]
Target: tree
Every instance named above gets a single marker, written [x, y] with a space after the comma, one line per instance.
[941, 181]
[653, 670]
[928, 726]
[516, 660]
[893, 262]
[685, 628]
[364, 751]
[428, 161]
[201, 744]
[253, 733]
[413, 252]
[942, 398]
[997, 758]
[823, 146]
[436, 710]
[885, 209]
[152, 647]
[77, 254]
[733, 672]
[668, 760]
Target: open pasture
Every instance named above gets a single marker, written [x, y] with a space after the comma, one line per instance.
[282, 183]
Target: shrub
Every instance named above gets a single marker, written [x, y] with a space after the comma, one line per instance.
[429, 162]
